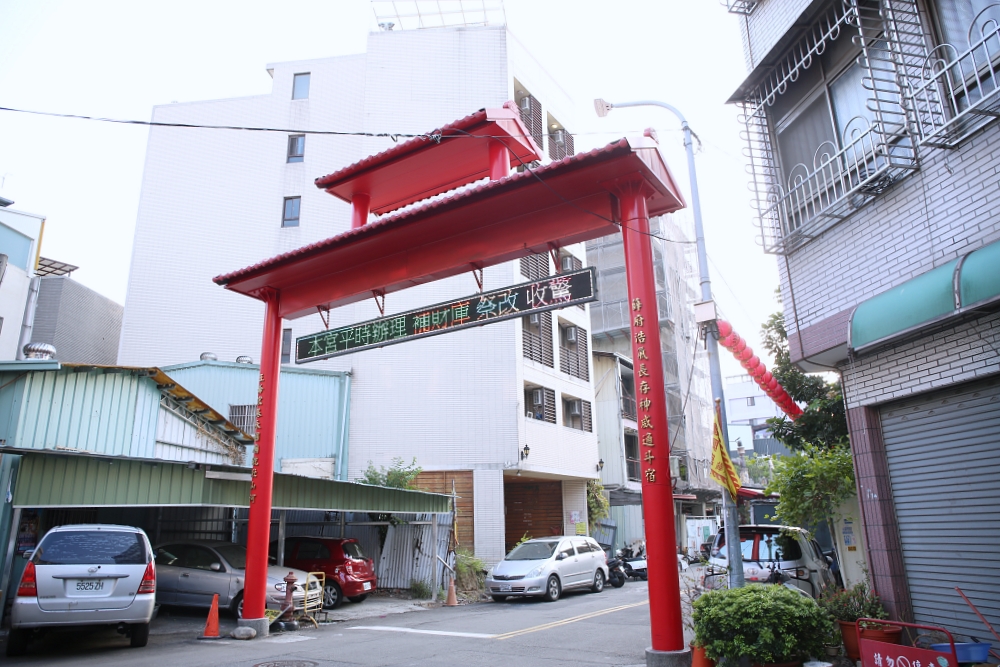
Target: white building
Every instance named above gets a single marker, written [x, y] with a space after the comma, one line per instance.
[472, 402]
[747, 410]
[20, 234]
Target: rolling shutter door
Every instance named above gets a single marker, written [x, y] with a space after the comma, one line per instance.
[533, 508]
[943, 451]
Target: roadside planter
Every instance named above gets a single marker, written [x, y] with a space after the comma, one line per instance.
[855, 609]
[769, 625]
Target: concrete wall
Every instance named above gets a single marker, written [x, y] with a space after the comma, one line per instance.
[83, 326]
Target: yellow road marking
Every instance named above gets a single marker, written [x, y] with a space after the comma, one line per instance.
[574, 619]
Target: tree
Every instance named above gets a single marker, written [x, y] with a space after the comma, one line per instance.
[397, 476]
[598, 505]
[823, 422]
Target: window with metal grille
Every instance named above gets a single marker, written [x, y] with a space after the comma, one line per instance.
[540, 403]
[531, 116]
[244, 417]
[286, 346]
[576, 414]
[573, 352]
[632, 465]
[535, 267]
[296, 147]
[536, 338]
[290, 212]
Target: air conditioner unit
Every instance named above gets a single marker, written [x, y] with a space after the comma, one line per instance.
[571, 334]
[537, 397]
[530, 415]
[525, 103]
[675, 466]
[575, 408]
[566, 263]
[559, 136]
[535, 319]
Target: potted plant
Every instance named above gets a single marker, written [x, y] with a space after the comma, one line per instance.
[849, 605]
[690, 591]
[769, 625]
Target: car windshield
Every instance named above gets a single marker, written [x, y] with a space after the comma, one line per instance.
[353, 550]
[532, 551]
[235, 555]
[91, 547]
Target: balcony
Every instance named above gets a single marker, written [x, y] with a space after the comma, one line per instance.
[628, 408]
[634, 470]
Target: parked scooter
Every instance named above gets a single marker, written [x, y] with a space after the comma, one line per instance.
[633, 563]
[616, 574]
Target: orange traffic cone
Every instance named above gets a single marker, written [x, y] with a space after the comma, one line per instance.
[212, 624]
[452, 600]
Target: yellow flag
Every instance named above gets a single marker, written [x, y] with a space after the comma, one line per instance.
[723, 471]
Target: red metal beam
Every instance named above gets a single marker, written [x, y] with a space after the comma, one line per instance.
[525, 213]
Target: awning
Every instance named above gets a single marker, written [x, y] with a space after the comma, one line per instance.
[969, 283]
[70, 479]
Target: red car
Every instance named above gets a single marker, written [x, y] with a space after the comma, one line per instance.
[349, 573]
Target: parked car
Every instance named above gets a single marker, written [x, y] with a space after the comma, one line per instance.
[192, 572]
[349, 572]
[95, 574]
[766, 548]
[546, 566]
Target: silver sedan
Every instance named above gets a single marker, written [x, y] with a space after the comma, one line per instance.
[191, 573]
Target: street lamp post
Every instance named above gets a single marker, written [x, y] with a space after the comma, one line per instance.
[735, 559]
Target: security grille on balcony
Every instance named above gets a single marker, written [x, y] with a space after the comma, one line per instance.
[536, 339]
[958, 88]
[573, 354]
[535, 267]
[744, 7]
[814, 167]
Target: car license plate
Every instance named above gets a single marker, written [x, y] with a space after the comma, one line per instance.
[504, 587]
[367, 585]
[90, 585]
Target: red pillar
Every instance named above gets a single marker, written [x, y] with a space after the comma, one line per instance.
[654, 446]
[262, 471]
[499, 160]
[360, 207]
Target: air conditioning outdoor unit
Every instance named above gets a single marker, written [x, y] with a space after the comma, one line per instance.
[525, 103]
[566, 263]
[575, 408]
[537, 397]
[535, 319]
[571, 334]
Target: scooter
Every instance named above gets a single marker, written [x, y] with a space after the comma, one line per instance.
[616, 575]
[634, 564]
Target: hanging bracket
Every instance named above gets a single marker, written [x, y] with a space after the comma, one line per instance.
[554, 252]
[324, 314]
[379, 295]
[477, 273]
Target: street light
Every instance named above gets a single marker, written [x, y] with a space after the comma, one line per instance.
[732, 521]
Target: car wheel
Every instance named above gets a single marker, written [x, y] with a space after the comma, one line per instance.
[140, 635]
[598, 581]
[499, 598]
[358, 598]
[237, 606]
[552, 589]
[332, 596]
[17, 642]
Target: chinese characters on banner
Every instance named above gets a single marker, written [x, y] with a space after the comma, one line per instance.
[882, 654]
[547, 294]
[646, 436]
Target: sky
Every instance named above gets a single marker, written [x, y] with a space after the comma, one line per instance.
[117, 59]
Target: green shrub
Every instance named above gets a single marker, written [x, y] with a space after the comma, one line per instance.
[764, 623]
[853, 603]
[470, 572]
[419, 590]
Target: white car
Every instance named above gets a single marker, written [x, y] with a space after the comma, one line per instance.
[767, 548]
[96, 574]
[546, 566]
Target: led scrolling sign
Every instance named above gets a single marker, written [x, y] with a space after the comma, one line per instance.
[565, 289]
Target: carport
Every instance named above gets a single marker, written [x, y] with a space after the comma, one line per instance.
[134, 490]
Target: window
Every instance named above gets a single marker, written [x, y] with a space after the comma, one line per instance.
[300, 86]
[540, 403]
[309, 550]
[573, 351]
[750, 401]
[91, 547]
[290, 216]
[576, 414]
[634, 468]
[536, 338]
[960, 18]
[286, 346]
[296, 147]
[244, 417]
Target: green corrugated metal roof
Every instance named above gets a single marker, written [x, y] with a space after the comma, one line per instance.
[928, 298]
[56, 479]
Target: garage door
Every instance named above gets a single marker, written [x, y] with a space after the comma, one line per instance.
[532, 508]
[943, 451]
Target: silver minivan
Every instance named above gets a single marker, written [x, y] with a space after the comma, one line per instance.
[95, 574]
[546, 566]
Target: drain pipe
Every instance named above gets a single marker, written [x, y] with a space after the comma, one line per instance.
[28, 323]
